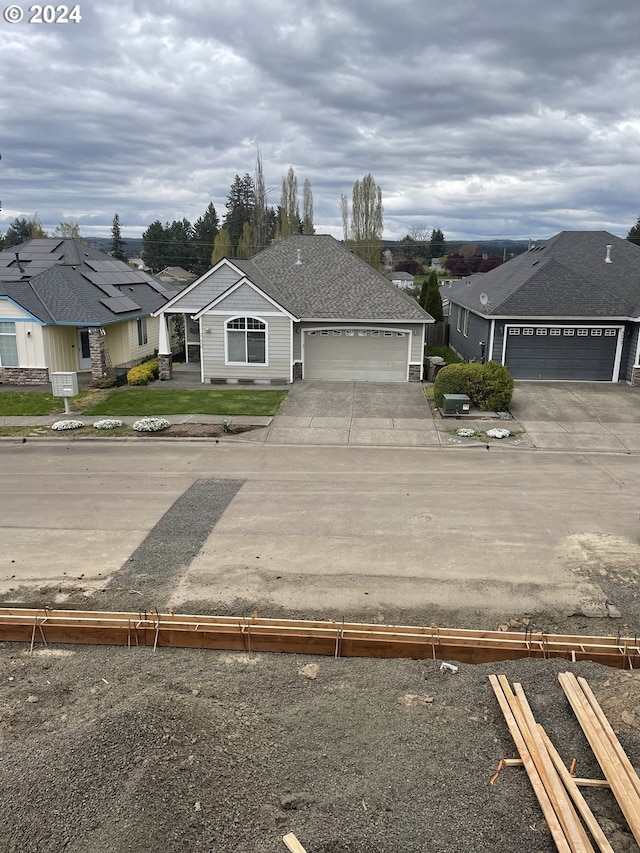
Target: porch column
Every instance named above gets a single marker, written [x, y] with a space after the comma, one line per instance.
[165, 356]
[101, 367]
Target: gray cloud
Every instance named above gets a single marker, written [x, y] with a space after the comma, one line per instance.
[486, 120]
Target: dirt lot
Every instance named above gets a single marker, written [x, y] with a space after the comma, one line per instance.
[118, 750]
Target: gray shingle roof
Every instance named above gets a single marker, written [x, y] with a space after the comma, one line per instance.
[69, 282]
[330, 283]
[565, 276]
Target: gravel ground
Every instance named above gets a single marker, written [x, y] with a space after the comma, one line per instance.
[114, 750]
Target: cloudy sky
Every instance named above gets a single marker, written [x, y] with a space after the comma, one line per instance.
[499, 118]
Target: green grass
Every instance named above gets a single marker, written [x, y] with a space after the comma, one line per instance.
[144, 401]
[25, 403]
[444, 352]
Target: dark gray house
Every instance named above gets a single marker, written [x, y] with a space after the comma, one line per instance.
[305, 308]
[567, 309]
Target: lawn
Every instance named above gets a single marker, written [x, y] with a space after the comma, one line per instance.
[36, 403]
[444, 352]
[143, 401]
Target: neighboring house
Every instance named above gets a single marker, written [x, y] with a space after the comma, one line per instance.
[305, 308]
[176, 276]
[567, 309]
[403, 280]
[65, 306]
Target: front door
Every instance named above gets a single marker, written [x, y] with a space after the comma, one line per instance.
[84, 354]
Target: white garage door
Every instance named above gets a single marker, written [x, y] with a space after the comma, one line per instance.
[356, 354]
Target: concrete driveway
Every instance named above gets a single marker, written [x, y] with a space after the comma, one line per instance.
[360, 413]
[578, 415]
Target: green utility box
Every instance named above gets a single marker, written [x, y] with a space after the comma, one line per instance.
[456, 404]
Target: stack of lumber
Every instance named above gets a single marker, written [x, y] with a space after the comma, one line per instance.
[571, 822]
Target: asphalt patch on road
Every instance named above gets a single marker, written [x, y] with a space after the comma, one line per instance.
[149, 576]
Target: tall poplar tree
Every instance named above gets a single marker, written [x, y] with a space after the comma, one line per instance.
[289, 222]
[307, 205]
[366, 221]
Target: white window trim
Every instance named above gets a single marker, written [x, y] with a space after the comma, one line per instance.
[15, 338]
[256, 364]
[465, 323]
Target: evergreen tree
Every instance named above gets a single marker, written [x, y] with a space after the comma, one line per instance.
[155, 242]
[430, 298]
[117, 243]
[221, 247]
[634, 233]
[240, 206]
[179, 251]
[436, 244]
[205, 230]
[21, 230]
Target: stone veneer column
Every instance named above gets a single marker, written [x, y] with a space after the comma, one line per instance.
[98, 353]
[165, 366]
[635, 377]
[414, 373]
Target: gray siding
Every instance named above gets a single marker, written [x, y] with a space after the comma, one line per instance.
[478, 329]
[629, 352]
[278, 350]
[245, 299]
[205, 292]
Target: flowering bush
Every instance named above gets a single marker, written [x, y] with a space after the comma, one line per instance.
[466, 433]
[498, 433]
[151, 425]
[59, 425]
[143, 373]
[108, 423]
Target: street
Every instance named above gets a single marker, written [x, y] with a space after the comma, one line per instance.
[464, 536]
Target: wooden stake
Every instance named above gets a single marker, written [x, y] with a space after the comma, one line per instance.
[292, 843]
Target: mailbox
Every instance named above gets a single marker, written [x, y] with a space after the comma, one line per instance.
[64, 384]
[456, 404]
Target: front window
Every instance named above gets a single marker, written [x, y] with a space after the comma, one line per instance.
[8, 345]
[246, 341]
[143, 337]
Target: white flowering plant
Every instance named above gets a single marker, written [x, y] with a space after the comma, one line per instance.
[498, 433]
[108, 423]
[466, 433]
[69, 424]
[151, 425]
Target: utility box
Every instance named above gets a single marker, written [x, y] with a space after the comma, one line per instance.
[456, 404]
[64, 384]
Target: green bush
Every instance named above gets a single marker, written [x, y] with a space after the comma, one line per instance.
[143, 373]
[489, 386]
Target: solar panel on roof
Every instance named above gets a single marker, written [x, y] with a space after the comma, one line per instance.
[110, 290]
[95, 278]
[120, 304]
[5, 262]
[12, 275]
[157, 286]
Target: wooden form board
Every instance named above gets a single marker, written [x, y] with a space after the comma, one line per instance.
[312, 637]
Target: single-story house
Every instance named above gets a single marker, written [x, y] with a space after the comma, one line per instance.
[567, 309]
[65, 306]
[403, 280]
[177, 276]
[304, 308]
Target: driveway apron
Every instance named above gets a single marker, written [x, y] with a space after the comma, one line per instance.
[377, 414]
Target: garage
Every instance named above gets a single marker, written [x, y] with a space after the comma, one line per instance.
[574, 353]
[377, 355]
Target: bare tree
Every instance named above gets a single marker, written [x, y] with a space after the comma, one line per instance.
[67, 229]
[366, 221]
[259, 217]
[419, 233]
[307, 217]
[344, 212]
[289, 210]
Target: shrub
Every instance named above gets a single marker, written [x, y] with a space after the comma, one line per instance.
[108, 423]
[489, 386]
[151, 425]
[62, 425]
[143, 373]
[104, 382]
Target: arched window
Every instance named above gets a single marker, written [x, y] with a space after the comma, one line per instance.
[246, 341]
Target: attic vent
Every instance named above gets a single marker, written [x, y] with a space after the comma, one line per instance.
[298, 257]
[607, 260]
